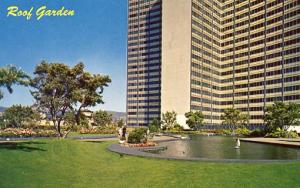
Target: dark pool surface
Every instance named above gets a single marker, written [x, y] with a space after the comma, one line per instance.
[218, 147]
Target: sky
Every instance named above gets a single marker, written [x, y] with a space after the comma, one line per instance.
[95, 35]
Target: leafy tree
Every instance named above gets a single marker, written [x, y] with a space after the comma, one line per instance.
[234, 118]
[59, 88]
[120, 122]
[102, 118]
[282, 115]
[88, 92]
[69, 120]
[194, 119]
[11, 75]
[17, 115]
[154, 125]
[169, 120]
[53, 87]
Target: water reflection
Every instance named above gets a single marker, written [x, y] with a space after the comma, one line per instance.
[217, 147]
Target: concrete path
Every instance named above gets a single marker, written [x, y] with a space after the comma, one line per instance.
[163, 138]
[276, 141]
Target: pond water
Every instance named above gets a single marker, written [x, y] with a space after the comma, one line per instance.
[219, 147]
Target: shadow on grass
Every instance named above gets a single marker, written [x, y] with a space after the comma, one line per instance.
[93, 141]
[22, 146]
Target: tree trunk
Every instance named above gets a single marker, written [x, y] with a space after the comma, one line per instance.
[59, 129]
[66, 134]
[77, 116]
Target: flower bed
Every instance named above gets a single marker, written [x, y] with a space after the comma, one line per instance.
[148, 144]
[97, 131]
[13, 132]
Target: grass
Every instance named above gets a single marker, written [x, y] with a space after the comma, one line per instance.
[69, 163]
[77, 134]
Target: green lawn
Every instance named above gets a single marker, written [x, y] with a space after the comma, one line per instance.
[69, 163]
[76, 134]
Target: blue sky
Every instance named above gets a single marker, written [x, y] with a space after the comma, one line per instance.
[96, 35]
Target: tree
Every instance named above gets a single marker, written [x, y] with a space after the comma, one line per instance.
[17, 116]
[59, 88]
[234, 118]
[120, 122]
[282, 115]
[194, 119]
[53, 87]
[11, 75]
[154, 125]
[102, 118]
[88, 92]
[169, 120]
[69, 120]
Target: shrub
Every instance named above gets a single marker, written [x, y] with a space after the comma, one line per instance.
[154, 126]
[138, 135]
[258, 133]
[226, 132]
[279, 133]
[177, 127]
[242, 131]
[18, 116]
[102, 118]
[153, 129]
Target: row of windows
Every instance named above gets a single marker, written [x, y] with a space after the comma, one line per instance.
[261, 83]
[141, 6]
[143, 83]
[254, 84]
[201, 33]
[144, 95]
[141, 2]
[144, 66]
[150, 13]
[206, 69]
[146, 36]
[261, 100]
[270, 56]
[144, 89]
[203, 52]
[143, 101]
[144, 77]
[148, 113]
[273, 38]
[155, 53]
[148, 24]
[268, 31]
[204, 4]
[150, 30]
[205, 77]
[204, 12]
[203, 43]
[207, 109]
[247, 6]
[285, 61]
[143, 20]
[146, 42]
[246, 93]
[204, 92]
[143, 107]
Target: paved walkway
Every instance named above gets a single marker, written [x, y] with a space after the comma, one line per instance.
[276, 141]
[163, 138]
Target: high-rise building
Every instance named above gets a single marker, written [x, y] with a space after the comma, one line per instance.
[209, 55]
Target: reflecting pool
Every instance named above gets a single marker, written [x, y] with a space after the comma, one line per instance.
[220, 147]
